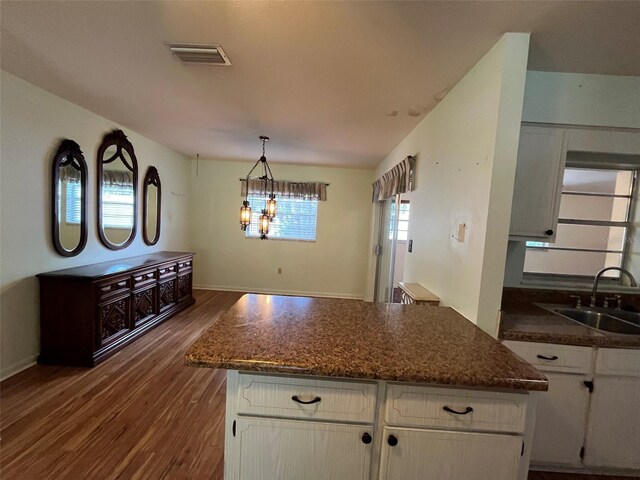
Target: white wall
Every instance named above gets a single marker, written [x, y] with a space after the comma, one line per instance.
[334, 265]
[466, 156]
[581, 99]
[32, 124]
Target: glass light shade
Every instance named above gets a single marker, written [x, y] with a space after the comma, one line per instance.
[271, 206]
[263, 227]
[245, 215]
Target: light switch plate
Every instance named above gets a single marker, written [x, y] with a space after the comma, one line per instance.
[462, 227]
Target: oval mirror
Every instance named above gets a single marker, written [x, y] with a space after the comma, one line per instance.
[151, 212]
[69, 215]
[117, 189]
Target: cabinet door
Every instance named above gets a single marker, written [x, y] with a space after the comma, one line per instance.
[114, 320]
[560, 420]
[168, 296]
[300, 450]
[449, 455]
[613, 432]
[538, 184]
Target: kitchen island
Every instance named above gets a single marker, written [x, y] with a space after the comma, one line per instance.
[343, 389]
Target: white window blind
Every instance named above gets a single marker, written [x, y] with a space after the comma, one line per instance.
[117, 206]
[295, 218]
[72, 202]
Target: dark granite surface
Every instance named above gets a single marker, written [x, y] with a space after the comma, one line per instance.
[523, 320]
[355, 339]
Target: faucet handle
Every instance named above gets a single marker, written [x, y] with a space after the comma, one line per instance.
[578, 300]
[618, 299]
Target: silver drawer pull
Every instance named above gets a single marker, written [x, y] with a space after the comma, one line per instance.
[137, 279]
[122, 284]
[149, 275]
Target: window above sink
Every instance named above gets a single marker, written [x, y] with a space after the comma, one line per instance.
[595, 226]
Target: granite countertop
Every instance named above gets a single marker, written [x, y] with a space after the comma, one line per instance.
[528, 322]
[359, 340]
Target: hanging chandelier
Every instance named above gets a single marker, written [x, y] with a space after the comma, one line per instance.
[266, 182]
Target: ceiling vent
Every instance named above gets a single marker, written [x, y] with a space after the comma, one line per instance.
[200, 54]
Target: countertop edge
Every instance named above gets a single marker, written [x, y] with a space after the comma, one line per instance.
[516, 385]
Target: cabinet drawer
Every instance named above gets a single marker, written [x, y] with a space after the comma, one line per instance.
[306, 398]
[612, 361]
[113, 287]
[416, 406]
[184, 265]
[144, 278]
[167, 270]
[554, 358]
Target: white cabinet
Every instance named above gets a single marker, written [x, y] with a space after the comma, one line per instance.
[409, 453]
[596, 407]
[292, 427]
[562, 411]
[538, 183]
[270, 449]
[613, 435]
[560, 421]
[613, 430]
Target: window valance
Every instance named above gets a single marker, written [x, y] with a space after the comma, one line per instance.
[117, 178]
[397, 180]
[286, 189]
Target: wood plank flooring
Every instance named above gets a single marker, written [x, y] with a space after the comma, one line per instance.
[141, 414]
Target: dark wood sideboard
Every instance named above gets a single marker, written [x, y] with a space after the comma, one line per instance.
[88, 313]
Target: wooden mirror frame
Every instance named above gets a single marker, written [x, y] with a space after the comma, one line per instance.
[68, 153]
[151, 178]
[120, 140]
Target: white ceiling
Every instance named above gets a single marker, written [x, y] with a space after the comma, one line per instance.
[320, 78]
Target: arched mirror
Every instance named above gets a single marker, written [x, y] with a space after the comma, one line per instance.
[152, 193]
[69, 215]
[117, 191]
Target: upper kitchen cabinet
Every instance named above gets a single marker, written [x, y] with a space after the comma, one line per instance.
[538, 184]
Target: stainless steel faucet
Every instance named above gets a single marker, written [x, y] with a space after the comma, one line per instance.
[597, 279]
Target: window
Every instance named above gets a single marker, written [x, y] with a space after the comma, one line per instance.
[403, 221]
[72, 202]
[295, 218]
[593, 225]
[117, 206]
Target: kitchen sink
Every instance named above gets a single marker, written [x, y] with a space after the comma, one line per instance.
[632, 317]
[607, 320]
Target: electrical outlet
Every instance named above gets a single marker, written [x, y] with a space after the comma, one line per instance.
[279, 270]
[462, 227]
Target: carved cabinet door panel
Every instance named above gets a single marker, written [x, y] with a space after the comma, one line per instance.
[145, 305]
[114, 320]
[168, 294]
[184, 286]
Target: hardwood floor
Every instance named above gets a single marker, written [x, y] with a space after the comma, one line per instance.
[141, 414]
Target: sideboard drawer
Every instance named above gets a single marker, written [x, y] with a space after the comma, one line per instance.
[184, 265]
[113, 288]
[144, 278]
[418, 406]
[306, 398]
[167, 270]
[554, 358]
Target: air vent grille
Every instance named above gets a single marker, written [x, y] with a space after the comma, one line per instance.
[200, 54]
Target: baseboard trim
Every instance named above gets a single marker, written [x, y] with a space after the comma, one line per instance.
[276, 291]
[11, 370]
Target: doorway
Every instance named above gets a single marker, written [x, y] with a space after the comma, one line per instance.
[393, 231]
